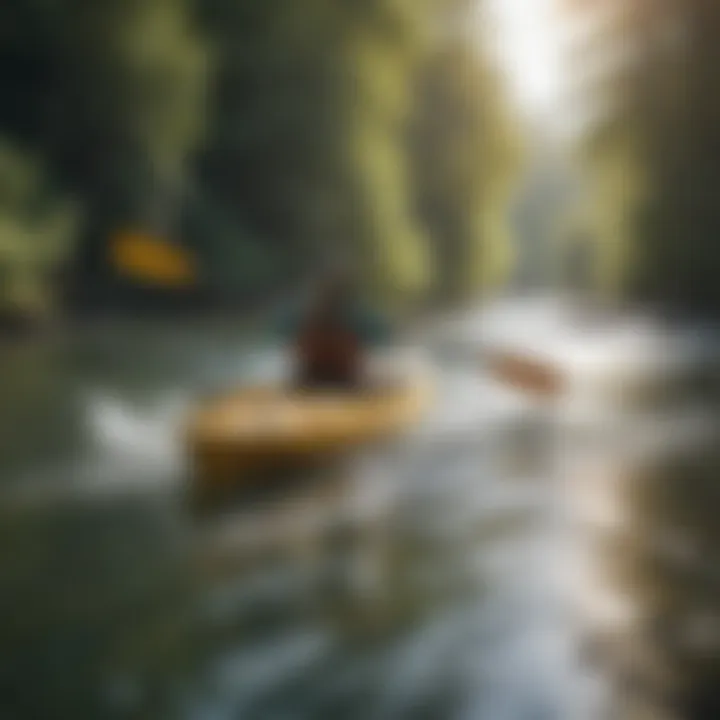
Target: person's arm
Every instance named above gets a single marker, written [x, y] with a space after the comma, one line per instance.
[284, 324]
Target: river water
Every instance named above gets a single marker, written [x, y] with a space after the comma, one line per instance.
[452, 573]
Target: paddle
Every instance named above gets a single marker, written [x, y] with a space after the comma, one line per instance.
[534, 377]
[152, 260]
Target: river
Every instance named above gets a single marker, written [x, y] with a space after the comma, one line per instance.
[448, 574]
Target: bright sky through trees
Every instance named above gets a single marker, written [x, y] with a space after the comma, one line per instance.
[550, 60]
[525, 39]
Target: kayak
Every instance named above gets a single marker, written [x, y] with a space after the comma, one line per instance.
[270, 428]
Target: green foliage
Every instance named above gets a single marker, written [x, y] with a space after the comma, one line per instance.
[617, 184]
[36, 231]
[268, 135]
[311, 158]
[465, 153]
[141, 72]
[391, 243]
[653, 166]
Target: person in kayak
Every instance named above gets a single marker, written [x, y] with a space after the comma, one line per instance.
[332, 336]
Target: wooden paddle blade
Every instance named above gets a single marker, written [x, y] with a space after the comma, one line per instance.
[526, 374]
[151, 260]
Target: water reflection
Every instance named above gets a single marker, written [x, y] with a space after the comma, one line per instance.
[648, 508]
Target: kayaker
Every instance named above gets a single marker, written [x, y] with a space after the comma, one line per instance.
[332, 336]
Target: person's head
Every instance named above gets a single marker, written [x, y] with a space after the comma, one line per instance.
[334, 290]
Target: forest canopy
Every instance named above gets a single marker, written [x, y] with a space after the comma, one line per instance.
[263, 137]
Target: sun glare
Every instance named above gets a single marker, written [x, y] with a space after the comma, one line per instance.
[556, 60]
[526, 41]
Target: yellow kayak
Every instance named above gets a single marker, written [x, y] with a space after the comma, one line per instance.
[268, 428]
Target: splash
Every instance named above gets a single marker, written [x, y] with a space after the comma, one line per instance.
[129, 434]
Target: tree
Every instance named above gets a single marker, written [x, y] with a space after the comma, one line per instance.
[37, 228]
[651, 159]
[267, 137]
[132, 116]
[465, 149]
[307, 147]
